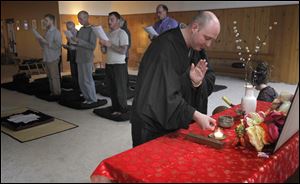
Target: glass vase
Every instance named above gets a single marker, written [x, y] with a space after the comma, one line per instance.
[248, 103]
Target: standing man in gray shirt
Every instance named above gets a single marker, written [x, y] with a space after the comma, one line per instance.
[116, 68]
[51, 54]
[71, 54]
[85, 46]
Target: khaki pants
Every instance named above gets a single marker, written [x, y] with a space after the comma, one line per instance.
[53, 77]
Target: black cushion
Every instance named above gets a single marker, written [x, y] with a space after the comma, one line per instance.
[48, 97]
[102, 89]
[80, 105]
[44, 118]
[69, 96]
[39, 87]
[219, 87]
[9, 86]
[107, 113]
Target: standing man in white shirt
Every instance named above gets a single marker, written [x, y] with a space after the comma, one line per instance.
[51, 54]
[116, 68]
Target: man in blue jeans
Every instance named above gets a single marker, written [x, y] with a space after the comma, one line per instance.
[85, 46]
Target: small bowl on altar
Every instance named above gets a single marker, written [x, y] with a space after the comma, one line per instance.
[225, 121]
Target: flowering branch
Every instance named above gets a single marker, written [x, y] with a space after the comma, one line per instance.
[245, 53]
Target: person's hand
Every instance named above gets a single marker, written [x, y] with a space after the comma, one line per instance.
[105, 43]
[204, 121]
[197, 72]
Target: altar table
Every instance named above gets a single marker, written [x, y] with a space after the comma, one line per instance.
[172, 158]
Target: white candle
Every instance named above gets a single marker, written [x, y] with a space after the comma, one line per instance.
[218, 134]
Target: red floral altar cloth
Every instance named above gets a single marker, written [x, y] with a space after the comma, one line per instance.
[171, 158]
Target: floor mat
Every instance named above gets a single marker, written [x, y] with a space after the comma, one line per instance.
[24, 120]
[48, 97]
[106, 113]
[80, 105]
[36, 132]
[9, 86]
[219, 87]
[102, 89]
[39, 87]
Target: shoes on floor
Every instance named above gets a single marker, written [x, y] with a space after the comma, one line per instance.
[116, 113]
[87, 102]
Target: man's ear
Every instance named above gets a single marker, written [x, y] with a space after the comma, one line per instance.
[195, 27]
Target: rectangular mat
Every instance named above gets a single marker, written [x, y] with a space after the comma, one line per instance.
[36, 132]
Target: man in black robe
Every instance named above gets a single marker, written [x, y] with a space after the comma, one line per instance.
[171, 87]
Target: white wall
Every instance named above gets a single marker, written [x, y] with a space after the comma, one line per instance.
[131, 7]
[135, 7]
[93, 7]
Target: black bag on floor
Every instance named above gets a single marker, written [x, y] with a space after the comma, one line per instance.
[21, 82]
[21, 78]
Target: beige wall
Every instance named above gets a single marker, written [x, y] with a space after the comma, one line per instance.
[141, 7]
[282, 50]
[27, 46]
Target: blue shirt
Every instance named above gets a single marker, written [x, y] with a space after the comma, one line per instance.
[165, 25]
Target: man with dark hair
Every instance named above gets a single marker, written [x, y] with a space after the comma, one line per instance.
[116, 14]
[172, 81]
[165, 23]
[116, 68]
[85, 46]
[51, 46]
[50, 16]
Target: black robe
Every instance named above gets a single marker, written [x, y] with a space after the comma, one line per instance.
[165, 98]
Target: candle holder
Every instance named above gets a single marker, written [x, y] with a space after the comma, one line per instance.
[217, 134]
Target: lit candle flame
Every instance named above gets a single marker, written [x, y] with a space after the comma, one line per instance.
[218, 133]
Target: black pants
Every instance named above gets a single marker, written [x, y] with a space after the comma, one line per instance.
[73, 67]
[116, 75]
[126, 60]
[59, 69]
